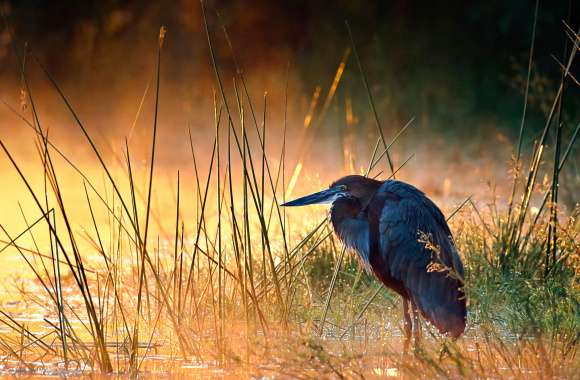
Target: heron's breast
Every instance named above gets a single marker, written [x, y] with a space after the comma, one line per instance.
[354, 233]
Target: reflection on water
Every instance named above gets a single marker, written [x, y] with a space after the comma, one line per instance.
[365, 352]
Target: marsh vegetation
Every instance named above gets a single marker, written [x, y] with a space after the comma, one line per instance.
[237, 286]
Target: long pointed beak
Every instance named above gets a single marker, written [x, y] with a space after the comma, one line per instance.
[321, 197]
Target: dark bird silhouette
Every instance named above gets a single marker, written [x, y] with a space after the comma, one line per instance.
[402, 237]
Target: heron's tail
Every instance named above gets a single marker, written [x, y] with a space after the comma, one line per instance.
[444, 306]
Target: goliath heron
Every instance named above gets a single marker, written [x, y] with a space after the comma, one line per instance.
[402, 237]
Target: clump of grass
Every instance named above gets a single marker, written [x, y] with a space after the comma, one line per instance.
[517, 292]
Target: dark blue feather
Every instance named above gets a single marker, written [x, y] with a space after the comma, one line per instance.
[407, 215]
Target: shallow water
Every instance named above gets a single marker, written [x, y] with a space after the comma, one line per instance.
[373, 352]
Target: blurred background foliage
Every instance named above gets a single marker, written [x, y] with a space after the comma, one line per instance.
[444, 62]
[458, 68]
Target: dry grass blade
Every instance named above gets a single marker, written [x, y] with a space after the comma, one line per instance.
[370, 98]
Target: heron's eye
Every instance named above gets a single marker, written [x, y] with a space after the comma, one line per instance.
[342, 188]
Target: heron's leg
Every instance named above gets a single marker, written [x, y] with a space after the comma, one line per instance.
[407, 324]
[417, 331]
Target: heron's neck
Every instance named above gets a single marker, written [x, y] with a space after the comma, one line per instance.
[344, 209]
[352, 227]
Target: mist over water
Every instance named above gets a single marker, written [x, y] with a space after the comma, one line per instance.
[456, 72]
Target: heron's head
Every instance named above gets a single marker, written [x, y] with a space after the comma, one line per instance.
[351, 186]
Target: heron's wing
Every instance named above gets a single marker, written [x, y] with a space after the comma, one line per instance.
[416, 245]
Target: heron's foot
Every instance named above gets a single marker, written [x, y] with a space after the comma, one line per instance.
[417, 333]
[407, 327]
[417, 329]
[406, 345]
